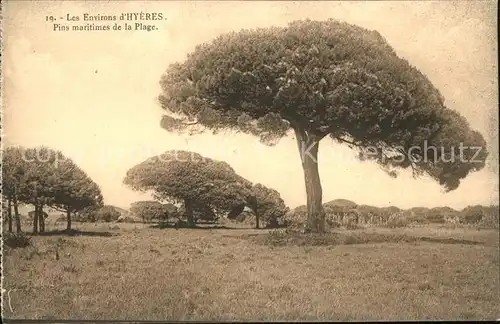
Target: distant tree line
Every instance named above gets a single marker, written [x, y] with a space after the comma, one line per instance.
[342, 212]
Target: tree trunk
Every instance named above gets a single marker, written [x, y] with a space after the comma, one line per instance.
[41, 219]
[189, 212]
[257, 218]
[308, 147]
[9, 213]
[68, 219]
[16, 215]
[273, 223]
[236, 211]
[35, 220]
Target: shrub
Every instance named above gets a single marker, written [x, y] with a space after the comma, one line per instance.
[353, 226]
[491, 217]
[472, 214]
[204, 213]
[396, 220]
[16, 240]
[88, 214]
[350, 217]
[367, 214]
[417, 219]
[453, 219]
[84, 218]
[473, 219]
[436, 218]
[107, 214]
[151, 210]
[171, 211]
[297, 217]
[340, 203]
[128, 219]
[245, 216]
[397, 223]
[332, 223]
[490, 221]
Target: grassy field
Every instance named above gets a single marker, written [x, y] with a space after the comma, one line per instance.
[134, 272]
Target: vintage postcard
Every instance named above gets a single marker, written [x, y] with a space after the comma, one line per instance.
[249, 161]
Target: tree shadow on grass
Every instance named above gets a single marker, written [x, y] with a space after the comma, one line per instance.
[292, 238]
[204, 226]
[74, 232]
[448, 241]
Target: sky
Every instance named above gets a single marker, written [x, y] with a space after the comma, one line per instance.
[93, 95]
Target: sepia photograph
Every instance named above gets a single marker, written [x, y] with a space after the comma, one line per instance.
[223, 161]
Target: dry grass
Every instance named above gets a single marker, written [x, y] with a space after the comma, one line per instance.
[140, 273]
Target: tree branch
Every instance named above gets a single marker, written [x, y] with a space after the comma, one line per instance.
[190, 123]
[410, 158]
[58, 209]
[299, 136]
[347, 141]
